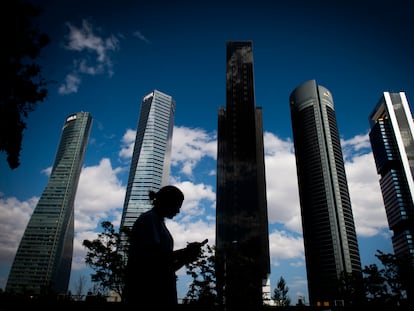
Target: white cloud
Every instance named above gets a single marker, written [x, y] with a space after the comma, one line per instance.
[196, 195]
[358, 142]
[71, 85]
[84, 38]
[191, 145]
[93, 70]
[281, 183]
[94, 57]
[127, 147]
[285, 245]
[365, 192]
[47, 171]
[100, 196]
[15, 215]
[140, 36]
[191, 232]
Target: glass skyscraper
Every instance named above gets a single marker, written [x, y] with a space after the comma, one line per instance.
[44, 257]
[151, 158]
[330, 241]
[392, 142]
[242, 237]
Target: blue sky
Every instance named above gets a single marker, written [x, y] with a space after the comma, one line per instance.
[105, 56]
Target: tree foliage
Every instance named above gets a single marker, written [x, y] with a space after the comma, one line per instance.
[280, 293]
[351, 288]
[386, 286]
[202, 290]
[106, 259]
[22, 85]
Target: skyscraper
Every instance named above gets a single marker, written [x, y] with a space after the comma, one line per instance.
[44, 257]
[242, 237]
[330, 241]
[151, 158]
[392, 141]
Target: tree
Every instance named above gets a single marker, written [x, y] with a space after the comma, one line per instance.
[375, 283]
[386, 286]
[202, 290]
[22, 85]
[399, 272]
[351, 288]
[280, 293]
[105, 257]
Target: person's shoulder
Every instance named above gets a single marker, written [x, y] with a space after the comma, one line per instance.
[143, 220]
[147, 215]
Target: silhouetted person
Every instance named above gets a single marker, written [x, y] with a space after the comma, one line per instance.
[150, 277]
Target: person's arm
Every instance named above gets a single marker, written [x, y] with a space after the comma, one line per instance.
[188, 254]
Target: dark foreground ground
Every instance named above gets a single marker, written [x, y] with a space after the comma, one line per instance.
[19, 304]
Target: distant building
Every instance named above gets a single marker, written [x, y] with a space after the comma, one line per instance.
[392, 141]
[44, 257]
[330, 241]
[242, 237]
[151, 158]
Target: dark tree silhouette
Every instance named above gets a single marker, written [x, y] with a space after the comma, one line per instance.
[202, 290]
[105, 257]
[280, 293]
[22, 85]
[388, 285]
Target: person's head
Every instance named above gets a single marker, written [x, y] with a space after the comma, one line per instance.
[167, 201]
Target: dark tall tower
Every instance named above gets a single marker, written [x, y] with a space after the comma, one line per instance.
[392, 141]
[44, 258]
[242, 237]
[331, 246]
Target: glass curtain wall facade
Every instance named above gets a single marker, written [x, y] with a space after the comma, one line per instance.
[242, 237]
[330, 241]
[43, 260]
[151, 158]
[392, 142]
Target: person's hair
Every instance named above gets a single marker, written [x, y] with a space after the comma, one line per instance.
[166, 193]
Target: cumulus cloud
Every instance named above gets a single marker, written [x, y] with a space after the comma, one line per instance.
[15, 215]
[365, 192]
[194, 195]
[358, 144]
[127, 144]
[281, 183]
[191, 145]
[100, 195]
[285, 245]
